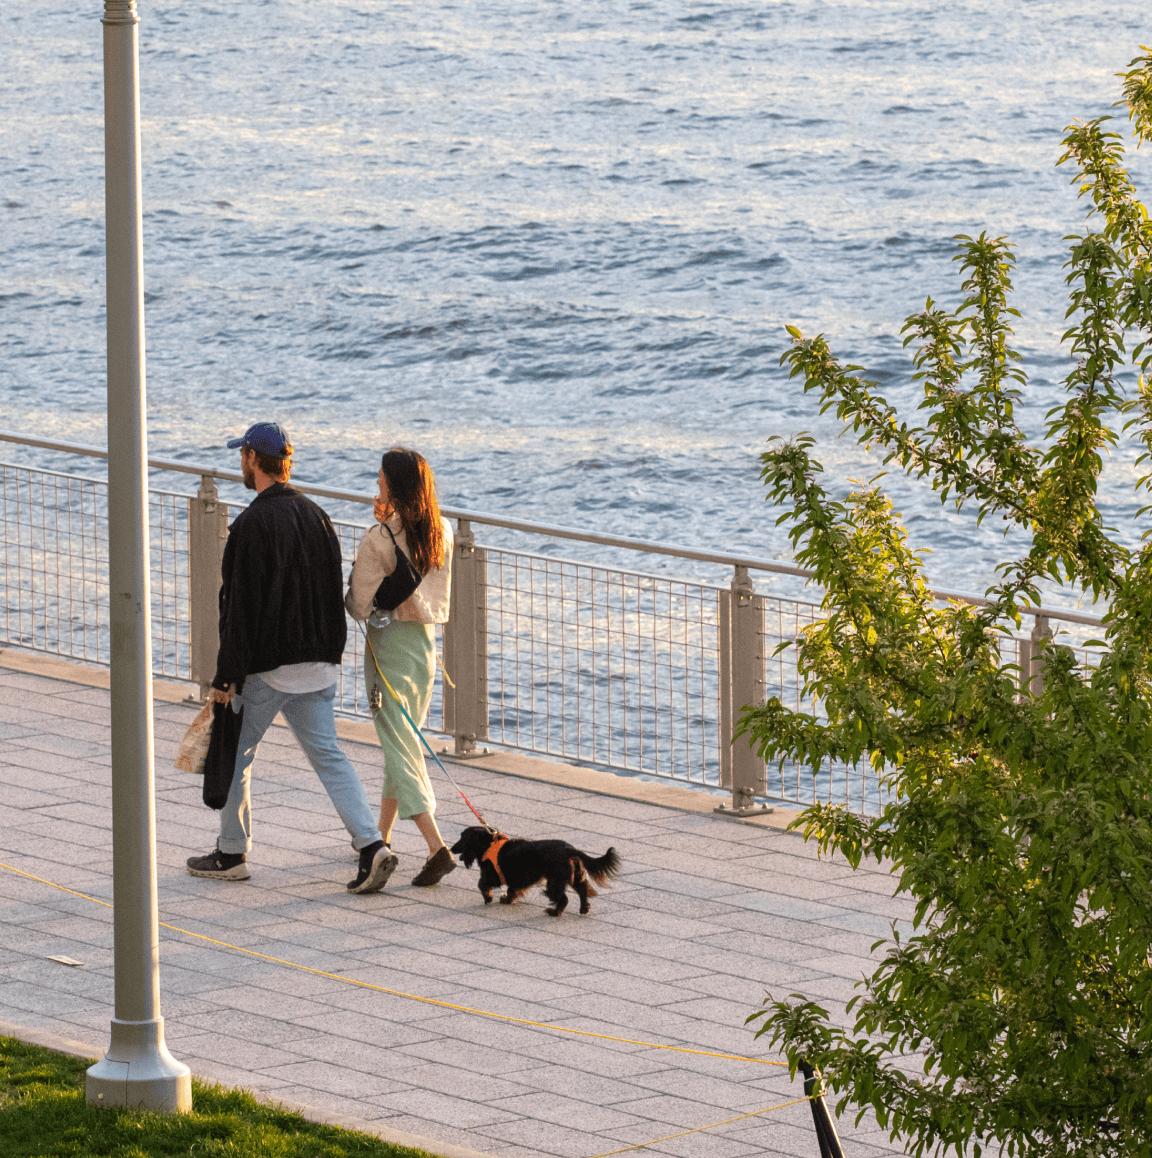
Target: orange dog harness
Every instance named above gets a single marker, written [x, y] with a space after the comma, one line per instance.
[493, 852]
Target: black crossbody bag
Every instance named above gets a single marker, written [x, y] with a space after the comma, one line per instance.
[401, 583]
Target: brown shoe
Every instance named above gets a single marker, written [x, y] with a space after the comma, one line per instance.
[435, 869]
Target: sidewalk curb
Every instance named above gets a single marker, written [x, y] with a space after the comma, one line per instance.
[72, 1048]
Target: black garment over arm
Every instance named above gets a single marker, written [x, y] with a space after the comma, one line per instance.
[282, 597]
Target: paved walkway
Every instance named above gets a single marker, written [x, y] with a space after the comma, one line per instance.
[707, 915]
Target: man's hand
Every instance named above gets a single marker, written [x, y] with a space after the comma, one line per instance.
[222, 695]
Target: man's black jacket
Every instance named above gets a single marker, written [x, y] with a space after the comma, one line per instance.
[282, 599]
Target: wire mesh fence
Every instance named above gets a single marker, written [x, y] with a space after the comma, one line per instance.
[593, 664]
[55, 563]
[606, 666]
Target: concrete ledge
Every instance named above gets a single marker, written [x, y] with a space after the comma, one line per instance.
[74, 671]
[52, 1041]
[506, 763]
[70, 1048]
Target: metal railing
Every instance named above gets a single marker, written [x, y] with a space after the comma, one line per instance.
[622, 669]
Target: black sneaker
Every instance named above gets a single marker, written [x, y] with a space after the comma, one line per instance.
[223, 866]
[377, 864]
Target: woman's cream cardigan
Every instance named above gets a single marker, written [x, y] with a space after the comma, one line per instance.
[377, 558]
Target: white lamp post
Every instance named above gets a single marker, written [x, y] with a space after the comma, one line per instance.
[138, 1070]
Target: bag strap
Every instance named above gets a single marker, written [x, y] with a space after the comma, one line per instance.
[401, 553]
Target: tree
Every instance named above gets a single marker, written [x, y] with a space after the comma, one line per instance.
[1019, 819]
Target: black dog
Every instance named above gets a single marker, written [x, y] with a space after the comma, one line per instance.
[519, 864]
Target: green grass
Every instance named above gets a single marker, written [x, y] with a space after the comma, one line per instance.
[43, 1113]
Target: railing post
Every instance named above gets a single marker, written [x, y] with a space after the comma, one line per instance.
[466, 645]
[1041, 634]
[1024, 663]
[741, 685]
[207, 534]
[724, 631]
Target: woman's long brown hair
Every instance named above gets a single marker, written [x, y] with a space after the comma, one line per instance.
[413, 494]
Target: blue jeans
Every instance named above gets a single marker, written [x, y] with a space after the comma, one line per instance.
[310, 717]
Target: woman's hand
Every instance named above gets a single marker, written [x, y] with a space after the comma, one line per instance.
[381, 509]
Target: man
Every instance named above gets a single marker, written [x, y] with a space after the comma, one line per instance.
[282, 634]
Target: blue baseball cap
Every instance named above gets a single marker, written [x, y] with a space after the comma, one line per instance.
[265, 437]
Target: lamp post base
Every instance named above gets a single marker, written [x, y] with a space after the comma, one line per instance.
[138, 1072]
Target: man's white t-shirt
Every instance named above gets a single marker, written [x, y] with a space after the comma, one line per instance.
[297, 678]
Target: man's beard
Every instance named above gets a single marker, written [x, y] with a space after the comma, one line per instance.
[249, 476]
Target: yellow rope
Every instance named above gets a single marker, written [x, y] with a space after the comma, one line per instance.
[685, 1133]
[412, 996]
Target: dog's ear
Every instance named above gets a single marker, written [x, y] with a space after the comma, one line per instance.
[472, 844]
[462, 848]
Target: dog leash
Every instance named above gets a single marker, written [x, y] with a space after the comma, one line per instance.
[417, 730]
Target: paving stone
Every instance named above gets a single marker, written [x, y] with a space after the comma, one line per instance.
[245, 1053]
[567, 1111]
[451, 1080]
[476, 1139]
[232, 1076]
[541, 1137]
[460, 1112]
[479, 1059]
[17, 799]
[51, 975]
[395, 1008]
[704, 1145]
[847, 965]
[641, 965]
[517, 985]
[62, 745]
[776, 1137]
[586, 1087]
[22, 995]
[675, 1110]
[343, 1080]
[264, 1002]
[632, 988]
[331, 1103]
[716, 1092]
[500, 1149]
[21, 913]
[680, 883]
[85, 931]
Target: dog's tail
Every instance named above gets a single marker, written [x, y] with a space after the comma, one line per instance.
[603, 868]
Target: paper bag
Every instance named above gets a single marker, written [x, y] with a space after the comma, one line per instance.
[194, 746]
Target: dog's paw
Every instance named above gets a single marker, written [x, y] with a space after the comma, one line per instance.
[487, 898]
[585, 910]
[554, 911]
[505, 899]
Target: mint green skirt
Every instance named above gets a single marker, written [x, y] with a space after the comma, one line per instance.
[406, 653]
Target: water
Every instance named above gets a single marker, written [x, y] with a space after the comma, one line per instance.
[553, 246]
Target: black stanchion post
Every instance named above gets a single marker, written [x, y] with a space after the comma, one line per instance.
[825, 1130]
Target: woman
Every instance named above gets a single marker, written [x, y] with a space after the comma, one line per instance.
[403, 640]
